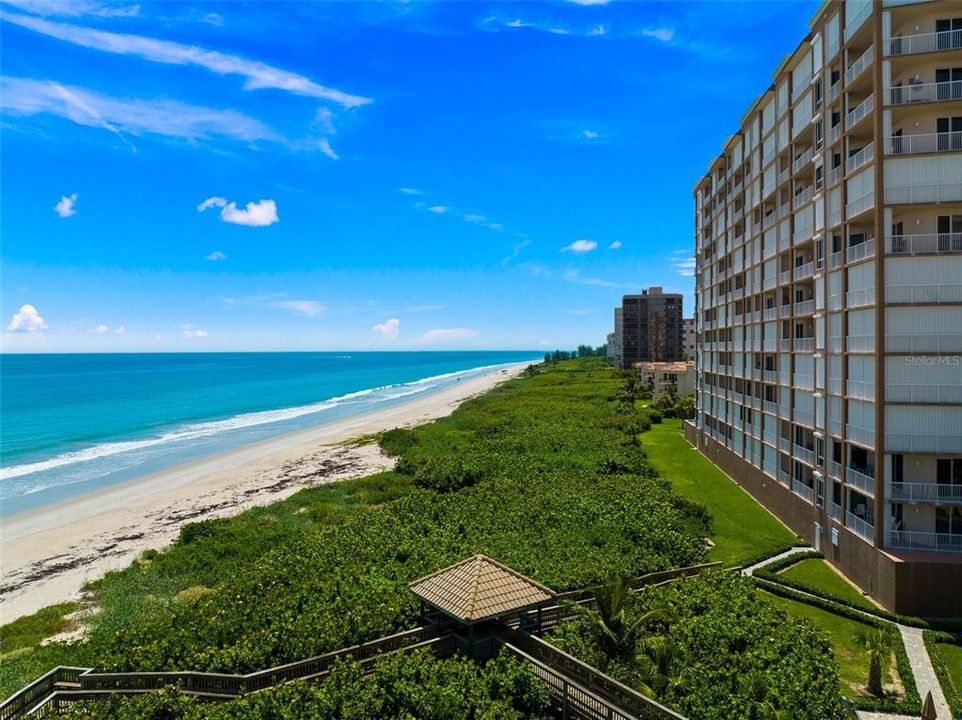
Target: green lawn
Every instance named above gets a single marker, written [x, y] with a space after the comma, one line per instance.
[952, 655]
[742, 528]
[852, 660]
[819, 575]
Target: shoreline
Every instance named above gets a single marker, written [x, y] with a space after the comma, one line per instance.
[50, 552]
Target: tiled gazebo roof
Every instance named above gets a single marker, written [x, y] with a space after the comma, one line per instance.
[479, 588]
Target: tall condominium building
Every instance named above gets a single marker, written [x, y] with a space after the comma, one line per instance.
[651, 327]
[688, 334]
[828, 238]
[615, 340]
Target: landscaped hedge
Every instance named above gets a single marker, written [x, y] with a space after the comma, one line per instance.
[405, 686]
[731, 653]
[953, 695]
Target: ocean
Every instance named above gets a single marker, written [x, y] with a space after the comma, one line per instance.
[70, 424]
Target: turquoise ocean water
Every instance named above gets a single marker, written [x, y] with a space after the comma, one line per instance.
[70, 424]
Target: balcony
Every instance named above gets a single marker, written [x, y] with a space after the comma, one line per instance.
[861, 250]
[800, 488]
[802, 160]
[861, 480]
[859, 65]
[912, 343]
[784, 478]
[936, 542]
[803, 271]
[931, 493]
[783, 176]
[862, 157]
[924, 143]
[934, 193]
[860, 111]
[804, 454]
[803, 197]
[805, 307]
[834, 91]
[923, 293]
[771, 408]
[924, 393]
[925, 92]
[835, 512]
[860, 389]
[856, 21]
[858, 525]
[803, 417]
[805, 344]
[860, 298]
[834, 133]
[864, 203]
[770, 313]
[835, 470]
[834, 260]
[924, 42]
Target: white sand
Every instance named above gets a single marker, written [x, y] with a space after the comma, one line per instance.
[48, 553]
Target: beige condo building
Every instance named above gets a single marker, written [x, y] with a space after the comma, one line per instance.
[828, 238]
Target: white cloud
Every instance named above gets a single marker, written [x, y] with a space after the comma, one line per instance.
[169, 118]
[257, 75]
[213, 18]
[307, 308]
[27, 319]
[447, 335]
[64, 208]
[580, 246]
[100, 329]
[257, 214]
[598, 30]
[325, 147]
[190, 331]
[158, 337]
[410, 191]
[216, 255]
[616, 245]
[685, 266]
[518, 23]
[388, 330]
[120, 330]
[663, 34]
[576, 277]
[438, 209]
[588, 2]
[473, 218]
[75, 8]
[590, 134]
[559, 31]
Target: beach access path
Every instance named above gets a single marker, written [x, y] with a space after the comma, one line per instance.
[49, 553]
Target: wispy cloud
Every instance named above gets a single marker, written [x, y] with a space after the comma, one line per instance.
[389, 329]
[305, 308]
[516, 249]
[120, 330]
[410, 191]
[588, 2]
[424, 308]
[65, 208]
[169, 118]
[192, 331]
[100, 329]
[579, 247]
[257, 214]
[447, 335]
[257, 75]
[216, 255]
[439, 209]
[574, 276]
[616, 245]
[75, 8]
[685, 266]
[664, 34]
[26, 319]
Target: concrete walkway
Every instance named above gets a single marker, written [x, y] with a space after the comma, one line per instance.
[925, 678]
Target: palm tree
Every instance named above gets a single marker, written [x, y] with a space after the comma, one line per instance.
[659, 663]
[755, 683]
[618, 636]
[878, 642]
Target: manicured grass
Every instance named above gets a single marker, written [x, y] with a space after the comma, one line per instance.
[742, 528]
[853, 661]
[952, 656]
[819, 575]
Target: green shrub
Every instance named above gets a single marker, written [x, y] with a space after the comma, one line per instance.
[656, 416]
[447, 473]
[395, 442]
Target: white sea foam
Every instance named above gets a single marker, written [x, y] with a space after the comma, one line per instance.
[196, 431]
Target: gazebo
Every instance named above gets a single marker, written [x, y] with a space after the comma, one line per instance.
[479, 589]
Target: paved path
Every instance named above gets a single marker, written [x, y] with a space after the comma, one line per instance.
[925, 678]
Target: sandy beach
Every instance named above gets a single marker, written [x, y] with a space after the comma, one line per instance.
[49, 553]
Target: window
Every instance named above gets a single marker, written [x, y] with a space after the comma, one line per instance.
[948, 520]
[950, 33]
[949, 472]
[898, 468]
[950, 233]
[948, 83]
[949, 131]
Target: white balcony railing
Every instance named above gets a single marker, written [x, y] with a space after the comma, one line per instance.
[912, 343]
[924, 392]
[803, 197]
[860, 389]
[933, 243]
[861, 250]
[803, 417]
[924, 293]
[937, 542]
[865, 202]
[855, 22]
[924, 42]
[805, 307]
[859, 65]
[834, 91]
[862, 157]
[925, 92]
[934, 493]
[834, 175]
[784, 478]
[857, 524]
[805, 344]
[800, 488]
[859, 112]
[802, 160]
[835, 260]
[804, 454]
[863, 482]
[834, 133]
[932, 193]
[860, 298]
[924, 143]
[834, 470]
[803, 271]
[835, 512]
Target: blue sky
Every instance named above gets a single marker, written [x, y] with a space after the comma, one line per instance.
[257, 176]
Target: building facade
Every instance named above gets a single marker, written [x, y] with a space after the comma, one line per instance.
[662, 377]
[828, 238]
[688, 334]
[651, 327]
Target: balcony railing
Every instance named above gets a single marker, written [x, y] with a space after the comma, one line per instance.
[860, 526]
[937, 542]
[859, 65]
[925, 92]
[784, 478]
[783, 176]
[804, 454]
[804, 344]
[924, 393]
[800, 488]
[805, 307]
[834, 91]
[918, 244]
[933, 493]
[860, 389]
[834, 133]
[803, 271]
[855, 22]
[859, 112]
[932, 193]
[860, 480]
[924, 143]
[924, 42]
[912, 343]
[803, 417]
[924, 293]
[835, 512]
[860, 298]
[861, 250]
[834, 260]
[803, 197]
[862, 157]
[802, 160]
[835, 470]
[863, 203]
[834, 175]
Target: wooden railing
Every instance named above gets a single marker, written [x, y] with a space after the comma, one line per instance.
[27, 698]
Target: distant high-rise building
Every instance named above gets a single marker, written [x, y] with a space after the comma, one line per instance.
[689, 335]
[651, 327]
[828, 245]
